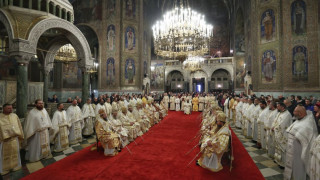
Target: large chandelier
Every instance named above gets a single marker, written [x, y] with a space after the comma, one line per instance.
[66, 54]
[182, 33]
[193, 63]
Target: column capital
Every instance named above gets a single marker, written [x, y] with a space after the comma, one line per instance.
[22, 59]
[86, 69]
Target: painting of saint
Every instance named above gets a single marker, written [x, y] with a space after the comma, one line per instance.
[130, 8]
[111, 7]
[111, 38]
[240, 71]
[130, 71]
[298, 17]
[300, 63]
[130, 39]
[110, 72]
[268, 26]
[268, 66]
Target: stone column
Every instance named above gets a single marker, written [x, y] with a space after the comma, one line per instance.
[45, 73]
[22, 84]
[85, 85]
[206, 84]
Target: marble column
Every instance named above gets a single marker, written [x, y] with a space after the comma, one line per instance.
[45, 73]
[85, 86]
[22, 89]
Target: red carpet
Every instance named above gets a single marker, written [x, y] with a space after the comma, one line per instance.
[160, 156]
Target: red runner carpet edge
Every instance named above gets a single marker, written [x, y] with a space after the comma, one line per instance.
[161, 154]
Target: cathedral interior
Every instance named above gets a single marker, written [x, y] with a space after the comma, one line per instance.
[87, 48]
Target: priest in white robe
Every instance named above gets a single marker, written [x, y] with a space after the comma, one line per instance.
[172, 103]
[100, 105]
[315, 160]
[273, 112]
[88, 118]
[301, 135]
[177, 102]
[280, 125]
[75, 119]
[201, 103]
[263, 116]
[166, 100]
[254, 117]
[249, 114]
[36, 131]
[238, 113]
[187, 107]
[60, 129]
[11, 136]
[226, 106]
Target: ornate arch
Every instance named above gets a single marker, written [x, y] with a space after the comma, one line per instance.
[7, 24]
[74, 35]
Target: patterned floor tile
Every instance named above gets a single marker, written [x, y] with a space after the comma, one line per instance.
[252, 154]
[269, 163]
[275, 177]
[266, 172]
[69, 150]
[251, 149]
[85, 145]
[260, 158]
[58, 158]
[77, 148]
[47, 162]
[33, 167]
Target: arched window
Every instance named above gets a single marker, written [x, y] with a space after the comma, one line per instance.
[63, 15]
[44, 5]
[58, 13]
[51, 8]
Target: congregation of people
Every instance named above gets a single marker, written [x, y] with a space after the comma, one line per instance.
[286, 128]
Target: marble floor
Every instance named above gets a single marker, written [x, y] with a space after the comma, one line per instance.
[268, 168]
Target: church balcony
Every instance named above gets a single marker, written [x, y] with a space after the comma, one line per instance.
[59, 8]
[208, 62]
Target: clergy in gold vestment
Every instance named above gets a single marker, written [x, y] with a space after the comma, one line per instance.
[129, 124]
[109, 139]
[60, 129]
[11, 135]
[36, 133]
[215, 146]
[195, 102]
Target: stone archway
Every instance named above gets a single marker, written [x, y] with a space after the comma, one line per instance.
[73, 34]
[175, 81]
[8, 26]
[221, 79]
